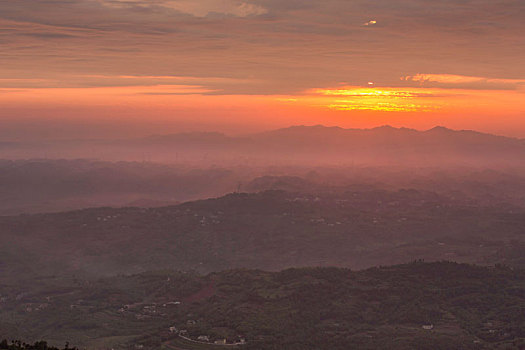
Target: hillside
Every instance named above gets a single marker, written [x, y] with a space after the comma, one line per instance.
[270, 230]
[466, 307]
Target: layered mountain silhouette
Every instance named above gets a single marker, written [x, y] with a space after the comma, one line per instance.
[301, 144]
[319, 138]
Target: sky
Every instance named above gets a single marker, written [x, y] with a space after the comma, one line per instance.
[125, 68]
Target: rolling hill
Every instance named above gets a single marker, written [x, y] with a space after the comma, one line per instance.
[270, 230]
[413, 306]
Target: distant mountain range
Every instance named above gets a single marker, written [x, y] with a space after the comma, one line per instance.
[385, 140]
[299, 144]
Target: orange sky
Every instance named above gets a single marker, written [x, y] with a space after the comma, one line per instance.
[106, 68]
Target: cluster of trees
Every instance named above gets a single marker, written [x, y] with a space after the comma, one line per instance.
[330, 308]
[39, 345]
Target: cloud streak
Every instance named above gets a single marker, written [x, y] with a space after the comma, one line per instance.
[201, 8]
[286, 46]
[462, 81]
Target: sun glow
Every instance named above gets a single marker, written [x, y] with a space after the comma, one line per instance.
[379, 99]
[373, 92]
[344, 105]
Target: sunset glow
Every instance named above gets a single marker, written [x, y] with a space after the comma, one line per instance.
[184, 65]
[366, 92]
[379, 99]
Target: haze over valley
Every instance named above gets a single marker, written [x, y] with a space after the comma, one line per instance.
[353, 199]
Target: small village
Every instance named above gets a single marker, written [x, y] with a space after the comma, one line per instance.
[206, 339]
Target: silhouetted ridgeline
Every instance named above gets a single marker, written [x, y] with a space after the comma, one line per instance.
[305, 145]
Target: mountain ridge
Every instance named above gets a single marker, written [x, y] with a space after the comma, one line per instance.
[218, 134]
[298, 145]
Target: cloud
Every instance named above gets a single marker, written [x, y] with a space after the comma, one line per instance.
[82, 81]
[461, 81]
[21, 83]
[201, 8]
[167, 77]
[281, 46]
[10, 91]
[215, 85]
[165, 90]
[49, 35]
